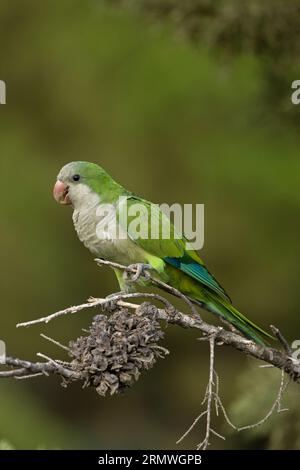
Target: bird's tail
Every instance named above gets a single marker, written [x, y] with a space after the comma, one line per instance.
[227, 311]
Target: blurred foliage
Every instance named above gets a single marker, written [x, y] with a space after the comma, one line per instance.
[5, 445]
[266, 29]
[86, 80]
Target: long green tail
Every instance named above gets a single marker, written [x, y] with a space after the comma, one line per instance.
[227, 311]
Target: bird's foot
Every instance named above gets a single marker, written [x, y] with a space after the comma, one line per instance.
[141, 272]
[112, 305]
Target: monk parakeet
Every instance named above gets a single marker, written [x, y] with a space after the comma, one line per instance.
[98, 204]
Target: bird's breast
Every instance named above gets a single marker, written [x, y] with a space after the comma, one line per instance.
[100, 232]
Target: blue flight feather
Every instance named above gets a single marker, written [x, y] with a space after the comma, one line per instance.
[198, 272]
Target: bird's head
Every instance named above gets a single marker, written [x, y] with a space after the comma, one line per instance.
[77, 181]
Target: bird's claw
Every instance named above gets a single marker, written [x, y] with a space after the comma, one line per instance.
[141, 271]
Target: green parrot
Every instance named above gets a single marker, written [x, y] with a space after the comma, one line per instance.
[99, 203]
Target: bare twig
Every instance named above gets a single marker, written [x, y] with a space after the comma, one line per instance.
[276, 406]
[282, 340]
[66, 311]
[94, 302]
[187, 432]
[57, 343]
[31, 369]
[212, 394]
[29, 376]
[205, 443]
[212, 391]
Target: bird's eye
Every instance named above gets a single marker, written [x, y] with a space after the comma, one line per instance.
[76, 177]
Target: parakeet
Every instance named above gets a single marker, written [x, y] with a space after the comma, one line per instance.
[98, 203]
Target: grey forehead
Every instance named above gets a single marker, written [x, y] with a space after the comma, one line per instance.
[66, 171]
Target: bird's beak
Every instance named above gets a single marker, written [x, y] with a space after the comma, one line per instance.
[61, 193]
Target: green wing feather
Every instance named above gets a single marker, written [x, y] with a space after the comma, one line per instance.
[172, 249]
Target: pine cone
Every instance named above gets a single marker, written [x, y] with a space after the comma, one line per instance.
[118, 348]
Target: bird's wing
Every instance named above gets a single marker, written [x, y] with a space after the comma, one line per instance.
[153, 231]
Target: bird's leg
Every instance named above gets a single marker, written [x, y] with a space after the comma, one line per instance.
[142, 272]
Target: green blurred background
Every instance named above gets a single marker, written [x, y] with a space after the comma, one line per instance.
[176, 122]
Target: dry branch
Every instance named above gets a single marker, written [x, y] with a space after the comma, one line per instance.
[133, 341]
[272, 356]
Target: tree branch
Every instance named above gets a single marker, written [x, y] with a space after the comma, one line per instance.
[140, 334]
[275, 357]
[32, 369]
